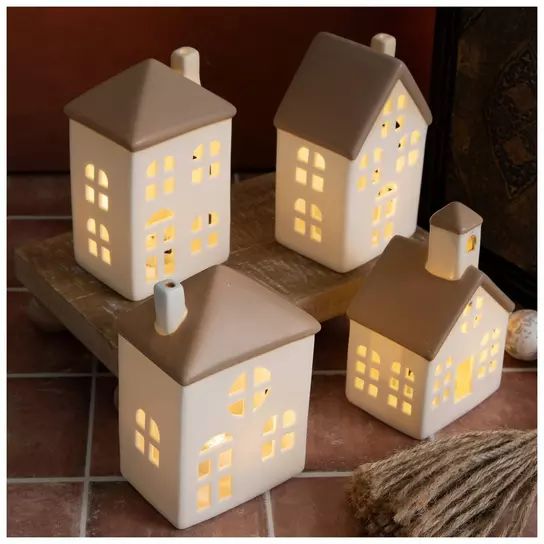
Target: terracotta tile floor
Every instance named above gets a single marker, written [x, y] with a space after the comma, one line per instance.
[63, 466]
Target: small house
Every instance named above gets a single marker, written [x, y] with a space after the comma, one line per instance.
[427, 329]
[214, 385]
[150, 175]
[351, 135]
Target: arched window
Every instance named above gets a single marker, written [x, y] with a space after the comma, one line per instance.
[147, 434]
[158, 216]
[244, 395]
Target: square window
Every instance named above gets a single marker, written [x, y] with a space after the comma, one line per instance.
[317, 183]
[214, 169]
[388, 108]
[270, 425]
[372, 390]
[415, 137]
[388, 231]
[301, 176]
[483, 355]
[394, 384]
[169, 186]
[91, 225]
[213, 239]
[102, 179]
[358, 383]
[412, 157]
[384, 129]
[267, 450]
[215, 147]
[150, 192]
[395, 367]
[401, 102]
[376, 214]
[93, 248]
[361, 183]
[196, 246]
[153, 455]
[89, 171]
[375, 374]
[360, 367]
[169, 261]
[392, 401]
[106, 255]
[225, 487]
[225, 459]
[204, 469]
[481, 372]
[363, 163]
[408, 392]
[409, 374]
[288, 419]
[198, 152]
[375, 358]
[399, 165]
[150, 241]
[407, 408]
[196, 175]
[151, 170]
[151, 268]
[203, 497]
[89, 194]
[139, 441]
[390, 207]
[103, 202]
[287, 441]
[169, 163]
[300, 225]
[315, 233]
[196, 225]
[361, 351]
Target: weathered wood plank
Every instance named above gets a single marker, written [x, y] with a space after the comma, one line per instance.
[89, 309]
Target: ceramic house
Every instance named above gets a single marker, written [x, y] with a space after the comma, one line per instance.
[350, 143]
[427, 329]
[150, 175]
[214, 384]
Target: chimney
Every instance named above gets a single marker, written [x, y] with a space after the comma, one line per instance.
[384, 43]
[170, 309]
[186, 61]
[454, 241]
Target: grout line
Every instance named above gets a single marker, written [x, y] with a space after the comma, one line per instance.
[45, 480]
[269, 514]
[325, 474]
[329, 372]
[87, 473]
[511, 369]
[50, 374]
[38, 217]
[17, 290]
[107, 479]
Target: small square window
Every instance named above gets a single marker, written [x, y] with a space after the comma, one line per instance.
[196, 225]
[103, 202]
[150, 241]
[89, 194]
[394, 384]
[358, 383]
[214, 169]
[153, 455]
[408, 392]
[203, 497]
[93, 248]
[415, 137]
[300, 226]
[104, 234]
[360, 367]
[169, 186]
[139, 441]
[395, 367]
[169, 233]
[388, 108]
[225, 487]
[361, 183]
[376, 214]
[106, 255]
[196, 246]
[375, 357]
[287, 441]
[213, 239]
[361, 351]
[196, 175]
[301, 176]
[481, 371]
[215, 147]
[401, 102]
[375, 176]
[407, 408]
[225, 459]
[269, 426]
[399, 164]
[151, 268]
[317, 183]
[390, 207]
[169, 163]
[392, 401]
[315, 233]
[169, 262]
[150, 192]
[267, 450]
[412, 157]
[204, 469]
[388, 231]
[375, 374]
[372, 390]
[91, 225]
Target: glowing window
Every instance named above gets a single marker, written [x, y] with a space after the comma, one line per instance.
[91, 225]
[388, 231]
[104, 234]
[436, 401]
[204, 469]
[412, 157]
[361, 183]
[259, 397]
[409, 375]
[392, 400]
[215, 147]
[415, 137]
[198, 152]
[375, 176]
[471, 243]
[196, 224]
[445, 394]
[479, 302]
[375, 374]
[89, 171]
[402, 143]
[363, 163]
[494, 349]
[303, 154]
[375, 357]
[225, 487]
[151, 268]
[159, 216]
[237, 408]
[196, 175]
[169, 232]
[358, 383]
[225, 459]
[394, 384]
[213, 219]
[468, 309]
[196, 246]
[408, 392]
[150, 241]
[153, 455]
[150, 192]
[399, 164]
[139, 442]
[388, 107]
[378, 154]
[214, 169]
[315, 233]
[106, 255]
[89, 194]
[239, 385]
[140, 418]
[372, 390]
[269, 426]
[319, 161]
[390, 207]
[401, 102]
[213, 239]
[360, 367]
[317, 183]
[406, 408]
[376, 214]
[300, 226]
[384, 130]
[361, 350]
[316, 213]
[477, 319]
[261, 375]
[300, 205]
[464, 327]
[169, 262]
[481, 372]
[102, 179]
[154, 431]
[93, 248]
[151, 170]
[203, 497]
[449, 362]
[395, 367]
[301, 176]
[103, 202]
[485, 339]
[387, 189]
[288, 419]
[168, 186]
[216, 440]
[169, 163]
[267, 450]
[463, 379]
[374, 240]
[437, 385]
[287, 441]
[438, 369]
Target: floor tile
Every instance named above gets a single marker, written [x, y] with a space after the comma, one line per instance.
[43, 509]
[39, 194]
[47, 424]
[342, 436]
[331, 345]
[513, 406]
[105, 451]
[312, 507]
[30, 349]
[117, 509]
[20, 232]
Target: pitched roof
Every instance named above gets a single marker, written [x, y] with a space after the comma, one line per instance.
[231, 318]
[147, 104]
[456, 217]
[403, 302]
[338, 92]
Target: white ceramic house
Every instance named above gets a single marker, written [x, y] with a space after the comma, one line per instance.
[427, 329]
[214, 384]
[150, 175]
[350, 145]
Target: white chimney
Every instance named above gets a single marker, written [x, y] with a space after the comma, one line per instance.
[170, 308]
[454, 241]
[186, 61]
[384, 43]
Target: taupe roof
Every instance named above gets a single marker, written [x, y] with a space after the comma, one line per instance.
[403, 302]
[456, 217]
[230, 319]
[338, 92]
[147, 104]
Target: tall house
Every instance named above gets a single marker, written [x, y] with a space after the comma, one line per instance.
[150, 175]
[350, 144]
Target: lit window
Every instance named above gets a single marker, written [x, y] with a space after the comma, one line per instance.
[438, 370]
[412, 157]
[216, 440]
[363, 163]
[196, 224]
[477, 319]
[388, 107]
[196, 175]
[384, 129]
[399, 164]
[196, 246]
[89, 171]
[402, 143]
[213, 239]
[410, 375]
[449, 362]
[471, 243]
[375, 374]
[436, 401]
[225, 459]
[395, 367]
[225, 487]
[102, 179]
[483, 355]
[288, 419]
[213, 219]
[361, 183]
[89, 194]
[239, 385]
[361, 350]
[198, 153]
[159, 216]
[406, 408]
[464, 327]
[390, 207]
[169, 261]
[414, 137]
[495, 333]
[303, 154]
[481, 372]
[485, 339]
[169, 232]
[93, 248]
[261, 375]
[140, 418]
[376, 214]
[319, 161]
[287, 441]
[204, 469]
[372, 390]
[300, 205]
[316, 213]
[375, 176]
[375, 358]
[494, 349]
[151, 268]
[392, 400]
[378, 154]
[387, 189]
[445, 394]
[401, 102]
[388, 231]
[91, 225]
[468, 309]
[317, 183]
[492, 365]
[150, 241]
[408, 392]
[103, 202]
[479, 302]
[214, 169]
[168, 186]
[300, 226]
[358, 383]
[315, 233]
[267, 450]
[374, 240]
[259, 397]
[154, 431]
[151, 170]
[394, 384]
[203, 497]
[139, 441]
[237, 408]
[215, 147]
[104, 234]
[360, 367]
[154, 435]
[150, 192]
[169, 163]
[153, 455]
[106, 256]
[437, 385]
[301, 176]
[269, 426]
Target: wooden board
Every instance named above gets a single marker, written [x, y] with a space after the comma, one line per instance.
[89, 309]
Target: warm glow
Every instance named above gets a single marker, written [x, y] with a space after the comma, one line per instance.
[485, 339]
[372, 390]
[363, 163]
[388, 107]
[196, 224]
[169, 232]
[213, 239]
[390, 207]
[303, 154]
[239, 385]
[375, 358]
[287, 441]
[106, 255]
[358, 383]
[288, 419]
[139, 441]
[479, 302]
[467, 309]
[412, 157]
[150, 241]
[154, 455]
[89, 194]
[91, 225]
[261, 375]
[151, 268]
[300, 205]
[375, 237]
[301, 176]
[225, 487]
[204, 469]
[196, 175]
[388, 231]
[438, 370]
[415, 137]
[447, 378]
[463, 379]
[89, 171]
[401, 102]
[214, 169]
[408, 392]
[387, 189]
[317, 183]
[376, 214]
[481, 372]
[102, 179]
[169, 262]
[160, 215]
[154, 431]
[406, 408]
[374, 374]
[103, 202]
[104, 234]
[315, 233]
[360, 367]
[218, 439]
[477, 319]
[140, 418]
[449, 362]
[215, 147]
[436, 401]
[446, 394]
[203, 497]
[384, 129]
[402, 143]
[319, 161]
[270, 425]
[196, 246]
[394, 384]
[151, 170]
[392, 400]
[399, 164]
[495, 333]
[464, 327]
[198, 153]
[237, 408]
[483, 355]
[437, 385]
[259, 397]
[316, 213]
[494, 349]
[169, 163]
[395, 367]
[267, 450]
[471, 243]
[168, 186]
[361, 183]
[378, 154]
[300, 226]
[225, 459]
[361, 350]
[93, 248]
